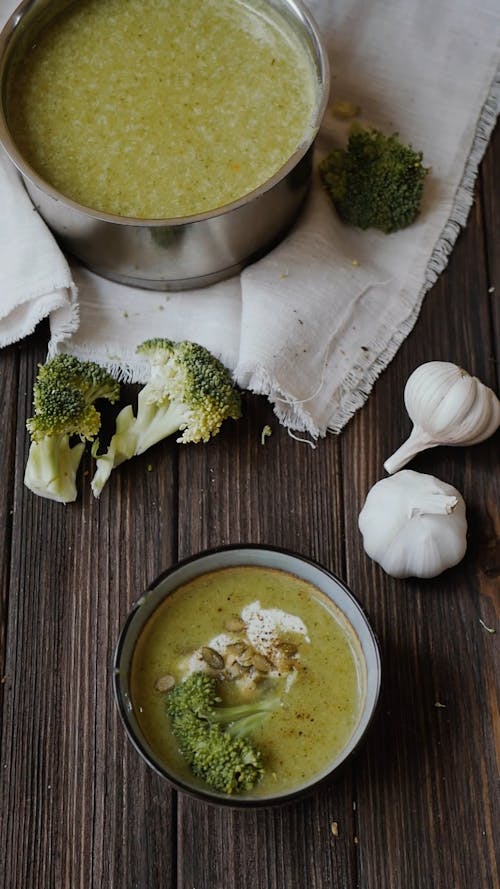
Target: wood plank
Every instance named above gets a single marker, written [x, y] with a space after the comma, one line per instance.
[289, 846]
[80, 809]
[281, 493]
[491, 210]
[425, 787]
[416, 807]
[9, 361]
[284, 493]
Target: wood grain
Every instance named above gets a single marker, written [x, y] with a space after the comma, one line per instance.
[488, 182]
[418, 806]
[8, 396]
[426, 765]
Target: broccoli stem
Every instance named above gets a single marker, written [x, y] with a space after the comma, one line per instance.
[156, 421]
[242, 719]
[121, 447]
[134, 435]
[52, 466]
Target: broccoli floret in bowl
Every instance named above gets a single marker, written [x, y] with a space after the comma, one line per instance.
[215, 739]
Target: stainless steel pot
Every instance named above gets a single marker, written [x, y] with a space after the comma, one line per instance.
[171, 254]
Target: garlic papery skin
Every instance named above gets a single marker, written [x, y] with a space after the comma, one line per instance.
[414, 525]
[448, 407]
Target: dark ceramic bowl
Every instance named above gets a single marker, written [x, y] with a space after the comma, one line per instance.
[262, 556]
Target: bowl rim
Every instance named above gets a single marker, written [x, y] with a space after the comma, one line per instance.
[319, 56]
[201, 793]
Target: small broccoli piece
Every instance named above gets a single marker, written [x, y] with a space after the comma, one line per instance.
[189, 391]
[266, 432]
[213, 738]
[376, 182]
[64, 394]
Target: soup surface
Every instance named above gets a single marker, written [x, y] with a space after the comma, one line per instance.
[321, 685]
[161, 108]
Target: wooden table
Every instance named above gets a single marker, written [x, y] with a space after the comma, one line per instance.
[419, 806]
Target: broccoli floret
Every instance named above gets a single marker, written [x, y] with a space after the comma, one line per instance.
[376, 182]
[189, 391]
[213, 737]
[64, 395]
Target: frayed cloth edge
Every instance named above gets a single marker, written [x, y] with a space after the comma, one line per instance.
[462, 203]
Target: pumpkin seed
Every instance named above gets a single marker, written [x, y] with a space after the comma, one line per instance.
[235, 624]
[212, 657]
[165, 683]
[288, 648]
[235, 670]
[261, 663]
[236, 647]
[246, 657]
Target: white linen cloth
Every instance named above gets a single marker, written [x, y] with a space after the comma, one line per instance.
[314, 323]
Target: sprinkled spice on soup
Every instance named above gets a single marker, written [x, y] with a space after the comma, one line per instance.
[161, 108]
[284, 666]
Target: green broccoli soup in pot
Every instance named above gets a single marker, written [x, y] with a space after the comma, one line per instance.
[247, 680]
[150, 109]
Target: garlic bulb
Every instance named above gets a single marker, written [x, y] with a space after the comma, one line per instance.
[414, 525]
[447, 407]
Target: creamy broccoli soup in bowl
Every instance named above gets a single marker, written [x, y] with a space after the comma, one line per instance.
[166, 142]
[247, 675]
